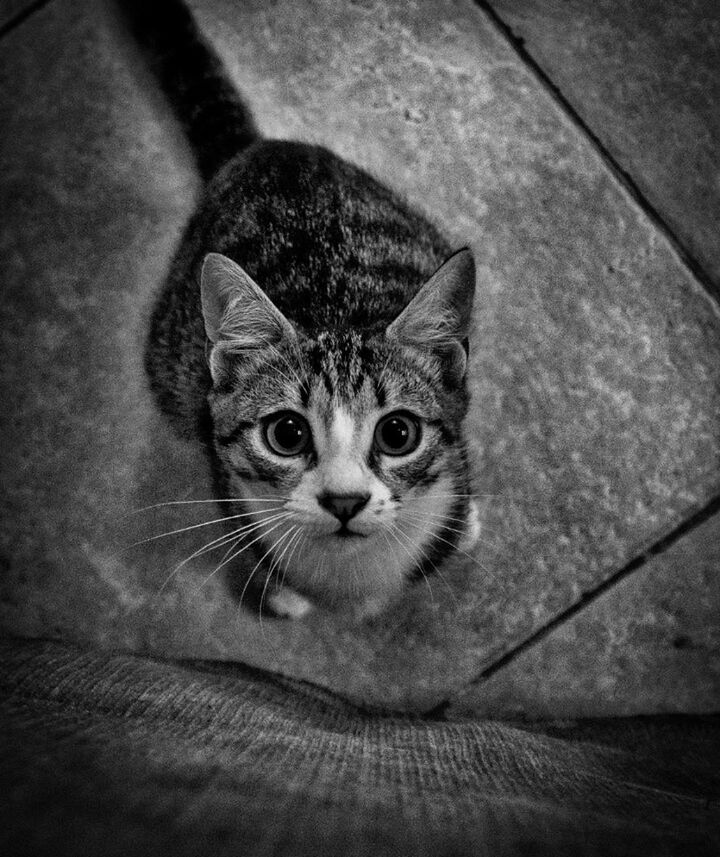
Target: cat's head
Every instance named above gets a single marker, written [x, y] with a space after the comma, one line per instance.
[346, 448]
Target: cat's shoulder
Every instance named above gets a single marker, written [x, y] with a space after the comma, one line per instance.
[284, 168]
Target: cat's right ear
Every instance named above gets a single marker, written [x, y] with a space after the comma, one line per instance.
[438, 318]
[238, 315]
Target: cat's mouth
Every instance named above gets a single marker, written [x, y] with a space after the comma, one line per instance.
[343, 532]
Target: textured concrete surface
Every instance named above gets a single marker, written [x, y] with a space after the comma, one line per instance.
[596, 401]
[645, 76]
[655, 636]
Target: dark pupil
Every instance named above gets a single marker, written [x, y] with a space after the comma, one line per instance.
[395, 433]
[289, 433]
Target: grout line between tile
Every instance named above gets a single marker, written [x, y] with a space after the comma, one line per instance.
[709, 286]
[621, 175]
[21, 16]
[689, 524]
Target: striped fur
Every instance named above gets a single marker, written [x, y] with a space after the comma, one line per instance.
[304, 285]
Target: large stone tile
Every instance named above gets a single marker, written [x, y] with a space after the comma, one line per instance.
[594, 423]
[651, 643]
[645, 77]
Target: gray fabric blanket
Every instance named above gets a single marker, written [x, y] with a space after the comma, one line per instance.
[113, 754]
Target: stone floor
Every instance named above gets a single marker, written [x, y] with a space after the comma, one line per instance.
[577, 151]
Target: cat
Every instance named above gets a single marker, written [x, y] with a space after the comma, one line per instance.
[314, 328]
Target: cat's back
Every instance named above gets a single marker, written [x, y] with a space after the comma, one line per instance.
[329, 244]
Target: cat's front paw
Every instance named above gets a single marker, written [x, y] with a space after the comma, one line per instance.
[288, 604]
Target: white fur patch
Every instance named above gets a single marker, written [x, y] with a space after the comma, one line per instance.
[289, 604]
[342, 431]
[472, 528]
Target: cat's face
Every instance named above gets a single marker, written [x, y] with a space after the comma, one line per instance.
[346, 451]
[355, 447]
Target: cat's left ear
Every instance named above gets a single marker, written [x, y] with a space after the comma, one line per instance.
[238, 315]
[438, 318]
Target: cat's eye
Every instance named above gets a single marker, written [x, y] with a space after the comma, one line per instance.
[287, 433]
[398, 434]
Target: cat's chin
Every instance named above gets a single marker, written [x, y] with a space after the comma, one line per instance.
[348, 534]
[342, 541]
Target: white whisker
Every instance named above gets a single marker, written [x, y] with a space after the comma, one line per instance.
[278, 558]
[437, 571]
[424, 516]
[237, 553]
[191, 527]
[394, 530]
[300, 536]
[454, 547]
[450, 496]
[438, 515]
[260, 561]
[268, 577]
[234, 537]
[278, 500]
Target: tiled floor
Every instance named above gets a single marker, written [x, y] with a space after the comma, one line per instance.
[595, 424]
[643, 77]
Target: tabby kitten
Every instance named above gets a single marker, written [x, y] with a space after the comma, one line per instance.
[315, 328]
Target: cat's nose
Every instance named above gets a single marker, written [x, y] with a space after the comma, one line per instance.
[343, 506]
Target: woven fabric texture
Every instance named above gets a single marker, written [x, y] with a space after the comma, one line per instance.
[112, 754]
